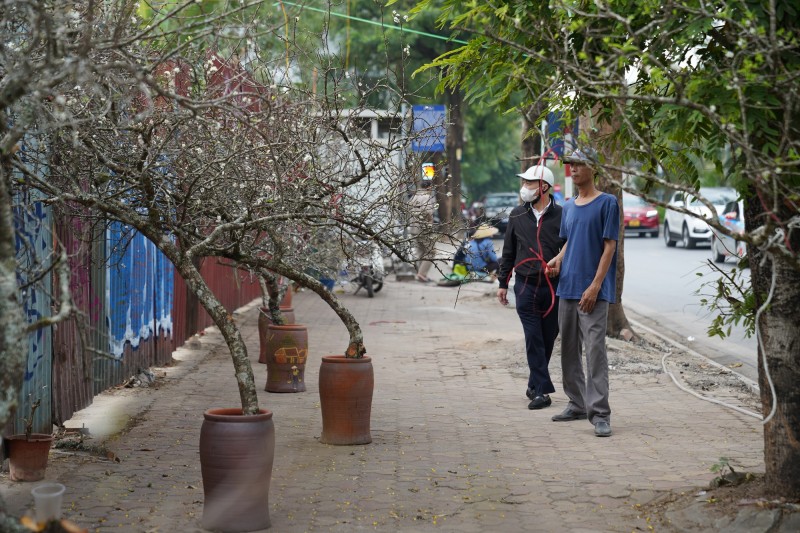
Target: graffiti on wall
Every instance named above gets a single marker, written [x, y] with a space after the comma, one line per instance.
[139, 289]
[34, 243]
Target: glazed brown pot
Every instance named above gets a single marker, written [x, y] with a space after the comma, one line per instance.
[286, 354]
[263, 321]
[27, 459]
[236, 455]
[345, 393]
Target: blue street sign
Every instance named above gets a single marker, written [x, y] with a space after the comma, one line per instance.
[429, 129]
[559, 135]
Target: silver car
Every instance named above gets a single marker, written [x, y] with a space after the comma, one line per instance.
[690, 230]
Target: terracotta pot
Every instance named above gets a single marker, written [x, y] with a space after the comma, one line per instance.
[27, 459]
[287, 298]
[263, 321]
[345, 393]
[236, 455]
[286, 354]
[288, 314]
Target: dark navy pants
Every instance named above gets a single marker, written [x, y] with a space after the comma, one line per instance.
[540, 331]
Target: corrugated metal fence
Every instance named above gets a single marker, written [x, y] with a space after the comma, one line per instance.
[133, 310]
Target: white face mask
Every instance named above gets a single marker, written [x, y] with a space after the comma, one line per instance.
[529, 195]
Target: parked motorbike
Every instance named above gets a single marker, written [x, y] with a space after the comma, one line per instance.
[370, 273]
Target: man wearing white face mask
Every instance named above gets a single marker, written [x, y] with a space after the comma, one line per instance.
[531, 240]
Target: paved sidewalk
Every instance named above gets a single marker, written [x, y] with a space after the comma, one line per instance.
[454, 446]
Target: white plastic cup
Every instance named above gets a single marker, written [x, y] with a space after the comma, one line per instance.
[47, 500]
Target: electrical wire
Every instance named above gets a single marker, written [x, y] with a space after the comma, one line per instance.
[376, 23]
[706, 398]
[763, 351]
[675, 380]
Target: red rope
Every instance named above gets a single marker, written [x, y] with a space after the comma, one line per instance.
[537, 255]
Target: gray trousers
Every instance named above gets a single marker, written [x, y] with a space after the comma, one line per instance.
[585, 332]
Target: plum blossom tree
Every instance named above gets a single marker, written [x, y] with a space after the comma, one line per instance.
[181, 127]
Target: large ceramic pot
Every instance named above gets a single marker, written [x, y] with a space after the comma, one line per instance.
[236, 454]
[264, 320]
[27, 458]
[286, 353]
[288, 314]
[345, 393]
[287, 298]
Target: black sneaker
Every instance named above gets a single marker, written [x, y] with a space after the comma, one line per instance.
[540, 402]
[530, 393]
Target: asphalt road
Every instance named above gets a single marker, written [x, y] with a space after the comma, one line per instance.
[661, 290]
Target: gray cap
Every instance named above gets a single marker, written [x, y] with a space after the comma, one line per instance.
[586, 156]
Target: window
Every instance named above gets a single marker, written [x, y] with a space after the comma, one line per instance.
[388, 127]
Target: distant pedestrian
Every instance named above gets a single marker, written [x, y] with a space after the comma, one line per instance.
[587, 267]
[479, 256]
[531, 240]
[422, 205]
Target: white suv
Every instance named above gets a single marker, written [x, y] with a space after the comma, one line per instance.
[689, 230]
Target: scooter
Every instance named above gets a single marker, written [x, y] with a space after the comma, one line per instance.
[370, 271]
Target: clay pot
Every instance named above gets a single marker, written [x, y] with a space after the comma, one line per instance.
[263, 321]
[236, 455]
[345, 393]
[288, 314]
[286, 354]
[287, 298]
[27, 458]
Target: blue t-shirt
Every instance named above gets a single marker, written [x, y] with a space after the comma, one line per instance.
[585, 227]
[479, 254]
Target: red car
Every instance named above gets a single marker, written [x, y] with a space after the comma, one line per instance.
[640, 217]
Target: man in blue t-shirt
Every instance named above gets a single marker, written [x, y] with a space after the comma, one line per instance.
[587, 267]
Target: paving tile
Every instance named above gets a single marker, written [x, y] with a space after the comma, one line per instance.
[454, 446]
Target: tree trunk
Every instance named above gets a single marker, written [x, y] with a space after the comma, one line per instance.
[13, 350]
[271, 295]
[224, 321]
[355, 348]
[440, 186]
[781, 343]
[531, 139]
[617, 320]
[455, 148]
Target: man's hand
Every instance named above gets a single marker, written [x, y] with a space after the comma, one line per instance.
[589, 298]
[502, 296]
[553, 267]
